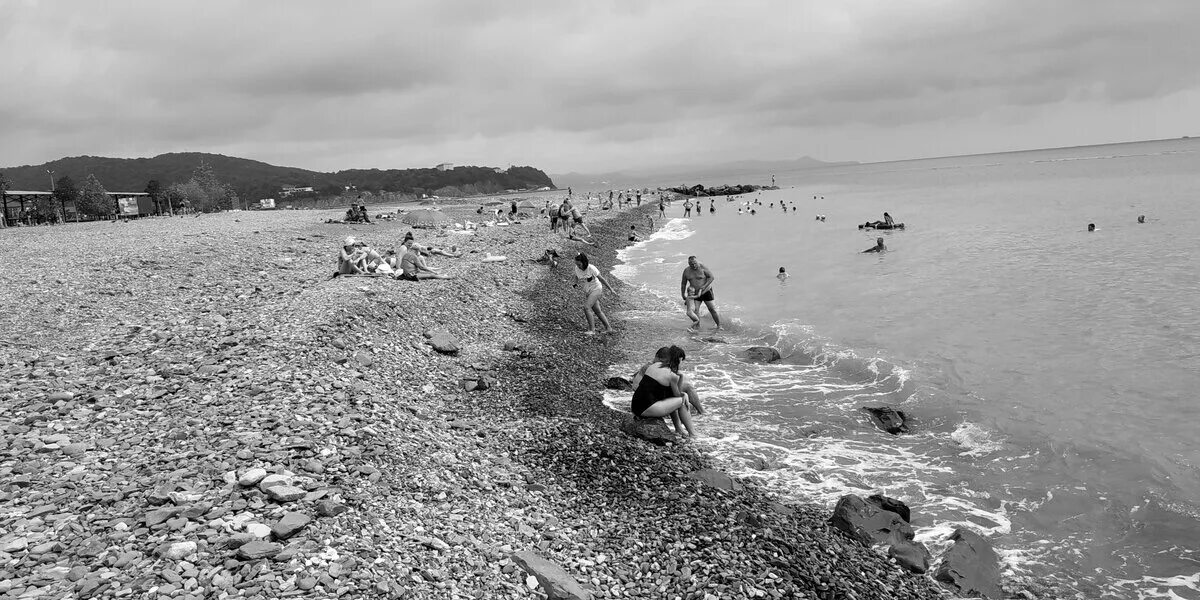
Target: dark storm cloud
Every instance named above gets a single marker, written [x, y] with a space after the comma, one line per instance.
[331, 86]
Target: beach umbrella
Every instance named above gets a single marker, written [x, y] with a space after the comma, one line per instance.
[425, 218]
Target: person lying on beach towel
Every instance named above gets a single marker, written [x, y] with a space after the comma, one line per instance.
[430, 250]
[579, 238]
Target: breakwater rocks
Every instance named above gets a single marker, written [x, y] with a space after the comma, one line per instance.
[970, 567]
[720, 190]
[185, 418]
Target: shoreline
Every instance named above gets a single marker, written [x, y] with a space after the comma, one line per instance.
[150, 382]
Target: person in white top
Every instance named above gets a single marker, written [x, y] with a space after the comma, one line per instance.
[588, 276]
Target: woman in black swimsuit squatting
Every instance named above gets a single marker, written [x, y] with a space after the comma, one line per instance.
[658, 394]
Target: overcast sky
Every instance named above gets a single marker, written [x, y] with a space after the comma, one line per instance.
[589, 86]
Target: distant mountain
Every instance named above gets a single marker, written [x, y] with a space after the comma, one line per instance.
[254, 179]
[716, 174]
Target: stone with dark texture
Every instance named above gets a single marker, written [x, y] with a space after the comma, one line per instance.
[329, 508]
[654, 431]
[442, 341]
[868, 523]
[714, 478]
[555, 582]
[913, 556]
[970, 567]
[618, 383]
[891, 505]
[290, 524]
[258, 549]
[762, 354]
[889, 419]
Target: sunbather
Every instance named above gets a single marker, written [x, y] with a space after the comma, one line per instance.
[353, 258]
[413, 267]
[430, 250]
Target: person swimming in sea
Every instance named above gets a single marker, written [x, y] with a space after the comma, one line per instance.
[878, 247]
[1091, 226]
[783, 274]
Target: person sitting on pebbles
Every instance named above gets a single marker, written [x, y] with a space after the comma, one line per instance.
[659, 392]
[429, 250]
[549, 257]
[685, 387]
[413, 267]
[354, 257]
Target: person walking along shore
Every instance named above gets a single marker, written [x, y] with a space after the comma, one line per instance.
[701, 280]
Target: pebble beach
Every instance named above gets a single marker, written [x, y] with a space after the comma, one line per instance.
[193, 408]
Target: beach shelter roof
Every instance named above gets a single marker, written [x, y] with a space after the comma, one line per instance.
[425, 218]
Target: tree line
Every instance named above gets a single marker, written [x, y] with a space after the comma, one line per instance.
[203, 192]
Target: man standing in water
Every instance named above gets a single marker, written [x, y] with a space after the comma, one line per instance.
[701, 280]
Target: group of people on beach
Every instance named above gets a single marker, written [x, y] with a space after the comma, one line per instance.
[357, 258]
[357, 213]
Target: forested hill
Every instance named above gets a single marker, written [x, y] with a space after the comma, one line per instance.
[252, 179]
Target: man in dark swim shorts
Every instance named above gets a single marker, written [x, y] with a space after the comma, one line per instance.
[701, 280]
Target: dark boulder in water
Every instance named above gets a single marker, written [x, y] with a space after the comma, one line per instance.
[764, 354]
[891, 505]
[618, 383]
[869, 525]
[970, 567]
[889, 419]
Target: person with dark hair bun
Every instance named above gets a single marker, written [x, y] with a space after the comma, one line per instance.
[659, 391]
[593, 285]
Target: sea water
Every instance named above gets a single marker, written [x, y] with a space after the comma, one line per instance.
[1052, 374]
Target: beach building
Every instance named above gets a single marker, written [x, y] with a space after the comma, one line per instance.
[445, 167]
[288, 190]
[14, 205]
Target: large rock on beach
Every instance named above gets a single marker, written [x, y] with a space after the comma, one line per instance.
[442, 341]
[654, 431]
[555, 582]
[891, 505]
[289, 525]
[618, 383]
[716, 479]
[762, 354]
[970, 567]
[889, 419]
[869, 524]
